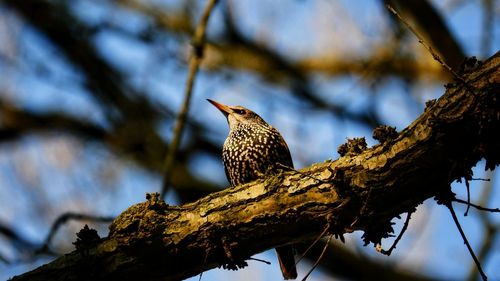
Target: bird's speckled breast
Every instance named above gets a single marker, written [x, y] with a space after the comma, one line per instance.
[251, 151]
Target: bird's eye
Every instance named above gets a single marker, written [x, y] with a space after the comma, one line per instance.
[239, 111]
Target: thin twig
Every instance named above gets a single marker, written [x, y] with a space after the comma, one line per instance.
[468, 197]
[319, 258]
[4, 260]
[405, 226]
[428, 47]
[263, 261]
[490, 231]
[479, 179]
[493, 210]
[457, 223]
[198, 44]
[487, 241]
[312, 244]
[62, 219]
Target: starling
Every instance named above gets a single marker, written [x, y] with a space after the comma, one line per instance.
[252, 149]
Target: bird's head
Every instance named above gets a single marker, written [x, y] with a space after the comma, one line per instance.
[238, 115]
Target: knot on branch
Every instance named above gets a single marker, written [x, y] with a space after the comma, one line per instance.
[384, 133]
[353, 147]
[198, 47]
[469, 64]
[234, 265]
[154, 201]
[143, 217]
[86, 238]
[431, 102]
[376, 231]
[489, 120]
[445, 197]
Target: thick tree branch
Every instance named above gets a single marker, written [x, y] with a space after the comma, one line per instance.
[153, 241]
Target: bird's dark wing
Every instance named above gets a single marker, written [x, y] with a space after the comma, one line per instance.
[227, 175]
[283, 152]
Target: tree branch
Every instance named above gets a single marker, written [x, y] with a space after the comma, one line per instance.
[153, 241]
[62, 219]
[198, 43]
[17, 122]
[432, 24]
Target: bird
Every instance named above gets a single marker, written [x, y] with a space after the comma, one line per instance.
[252, 149]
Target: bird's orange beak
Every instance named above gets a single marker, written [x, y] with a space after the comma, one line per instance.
[226, 110]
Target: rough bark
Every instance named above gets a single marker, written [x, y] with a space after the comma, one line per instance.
[363, 190]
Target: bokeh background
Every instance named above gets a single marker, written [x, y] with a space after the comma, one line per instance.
[89, 91]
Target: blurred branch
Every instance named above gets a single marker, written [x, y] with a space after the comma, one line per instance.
[21, 244]
[381, 62]
[30, 249]
[64, 218]
[175, 22]
[427, 46]
[198, 43]
[488, 26]
[3, 259]
[133, 118]
[489, 228]
[15, 123]
[240, 52]
[431, 24]
[236, 51]
[126, 109]
[228, 226]
[72, 37]
[345, 264]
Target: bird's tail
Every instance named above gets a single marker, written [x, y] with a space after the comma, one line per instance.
[287, 262]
